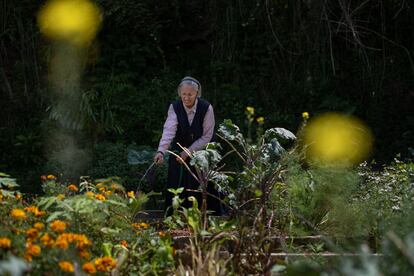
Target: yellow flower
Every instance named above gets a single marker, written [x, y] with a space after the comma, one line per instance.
[260, 120]
[100, 197]
[99, 185]
[89, 268]
[51, 177]
[131, 194]
[66, 266]
[60, 197]
[32, 233]
[1, 195]
[5, 243]
[58, 226]
[73, 187]
[90, 194]
[18, 196]
[47, 240]
[18, 214]
[102, 189]
[39, 225]
[161, 234]
[108, 193]
[305, 115]
[250, 110]
[105, 264]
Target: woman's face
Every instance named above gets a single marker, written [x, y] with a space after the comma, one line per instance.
[188, 95]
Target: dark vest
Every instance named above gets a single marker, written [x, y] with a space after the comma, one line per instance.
[187, 134]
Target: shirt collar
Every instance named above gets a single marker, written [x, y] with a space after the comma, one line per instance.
[192, 109]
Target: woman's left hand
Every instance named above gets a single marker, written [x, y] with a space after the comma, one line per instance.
[183, 156]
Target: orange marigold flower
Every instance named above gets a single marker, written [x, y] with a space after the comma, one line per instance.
[51, 177]
[18, 214]
[32, 233]
[105, 264]
[58, 226]
[47, 240]
[124, 243]
[39, 225]
[89, 268]
[82, 241]
[73, 187]
[66, 266]
[141, 225]
[33, 249]
[131, 194]
[34, 210]
[61, 242]
[100, 197]
[5, 243]
[84, 254]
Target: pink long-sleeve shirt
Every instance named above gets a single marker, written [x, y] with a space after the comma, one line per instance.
[170, 128]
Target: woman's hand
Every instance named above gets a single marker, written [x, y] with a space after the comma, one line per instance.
[159, 158]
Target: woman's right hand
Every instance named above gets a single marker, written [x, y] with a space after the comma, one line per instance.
[159, 158]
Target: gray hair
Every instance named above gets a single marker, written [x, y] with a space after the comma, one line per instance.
[191, 82]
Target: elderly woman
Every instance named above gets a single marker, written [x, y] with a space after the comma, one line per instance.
[190, 123]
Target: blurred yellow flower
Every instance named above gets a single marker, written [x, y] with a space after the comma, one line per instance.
[18, 214]
[260, 120]
[51, 177]
[18, 196]
[305, 115]
[75, 21]
[105, 264]
[90, 194]
[60, 196]
[73, 187]
[58, 226]
[100, 197]
[5, 243]
[66, 266]
[336, 139]
[89, 268]
[161, 234]
[250, 110]
[99, 185]
[131, 194]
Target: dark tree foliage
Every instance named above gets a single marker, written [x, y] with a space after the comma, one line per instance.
[282, 57]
